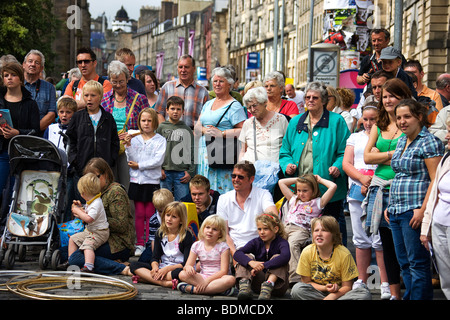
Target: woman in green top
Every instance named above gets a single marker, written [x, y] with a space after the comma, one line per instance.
[379, 150]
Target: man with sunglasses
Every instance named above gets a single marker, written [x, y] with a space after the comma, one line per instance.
[86, 62]
[239, 207]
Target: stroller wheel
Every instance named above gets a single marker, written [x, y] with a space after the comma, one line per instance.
[43, 260]
[56, 257]
[22, 252]
[10, 258]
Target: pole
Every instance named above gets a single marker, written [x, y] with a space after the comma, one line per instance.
[275, 35]
[398, 26]
[311, 22]
[282, 38]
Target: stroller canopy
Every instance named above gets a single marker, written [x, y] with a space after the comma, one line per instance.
[33, 149]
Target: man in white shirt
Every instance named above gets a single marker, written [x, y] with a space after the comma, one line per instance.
[239, 207]
[297, 96]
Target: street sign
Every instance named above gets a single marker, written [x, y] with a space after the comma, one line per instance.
[324, 64]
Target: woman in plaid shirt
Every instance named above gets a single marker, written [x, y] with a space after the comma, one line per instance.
[414, 162]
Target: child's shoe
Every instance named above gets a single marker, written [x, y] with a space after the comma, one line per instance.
[245, 290]
[266, 291]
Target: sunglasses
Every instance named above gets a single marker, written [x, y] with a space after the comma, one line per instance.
[240, 177]
[84, 61]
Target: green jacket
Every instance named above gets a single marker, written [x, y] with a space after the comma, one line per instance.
[180, 146]
[329, 139]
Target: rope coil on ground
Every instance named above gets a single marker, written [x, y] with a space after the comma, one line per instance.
[34, 287]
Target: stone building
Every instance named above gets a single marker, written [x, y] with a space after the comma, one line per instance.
[162, 38]
[425, 34]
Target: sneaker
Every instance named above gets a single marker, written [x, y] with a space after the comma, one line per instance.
[266, 291]
[358, 283]
[138, 251]
[385, 291]
[229, 292]
[245, 290]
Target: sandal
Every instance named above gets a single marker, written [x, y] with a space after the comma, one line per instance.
[174, 284]
[182, 286]
[135, 279]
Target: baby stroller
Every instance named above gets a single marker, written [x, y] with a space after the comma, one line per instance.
[40, 172]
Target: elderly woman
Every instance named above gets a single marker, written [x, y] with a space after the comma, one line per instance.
[315, 143]
[118, 102]
[221, 117]
[274, 84]
[268, 126]
[120, 244]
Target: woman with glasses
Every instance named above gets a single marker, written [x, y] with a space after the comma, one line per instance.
[221, 118]
[315, 143]
[121, 103]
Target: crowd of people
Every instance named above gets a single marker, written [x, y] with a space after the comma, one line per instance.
[271, 172]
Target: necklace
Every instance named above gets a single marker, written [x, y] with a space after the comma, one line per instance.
[389, 147]
[119, 101]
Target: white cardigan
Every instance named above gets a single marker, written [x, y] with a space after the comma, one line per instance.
[441, 170]
[149, 155]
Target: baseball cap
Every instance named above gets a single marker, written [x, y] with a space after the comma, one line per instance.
[390, 53]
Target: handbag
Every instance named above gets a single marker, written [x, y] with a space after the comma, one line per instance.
[124, 129]
[222, 152]
[266, 176]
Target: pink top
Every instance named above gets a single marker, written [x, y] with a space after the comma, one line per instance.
[209, 260]
[301, 213]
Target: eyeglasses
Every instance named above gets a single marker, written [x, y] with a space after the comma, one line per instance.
[253, 106]
[240, 177]
[87, 61]
[311, 97]
[121, 82]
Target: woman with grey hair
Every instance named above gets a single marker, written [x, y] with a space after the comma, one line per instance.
[268, 126]
[315, 143]
[220, 118]
[274, 85]
[122, 102]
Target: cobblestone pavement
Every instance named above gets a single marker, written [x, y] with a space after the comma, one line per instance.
[145, 291]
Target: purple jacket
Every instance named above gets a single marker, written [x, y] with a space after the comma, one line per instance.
[257, 248]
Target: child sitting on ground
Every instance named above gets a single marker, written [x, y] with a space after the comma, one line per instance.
[214, 255]
[263, 261]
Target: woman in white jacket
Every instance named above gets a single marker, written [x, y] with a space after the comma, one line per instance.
[145, 155]
[435, 232]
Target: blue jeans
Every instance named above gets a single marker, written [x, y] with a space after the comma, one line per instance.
[172, 182]
[104, 260]
[412, 256]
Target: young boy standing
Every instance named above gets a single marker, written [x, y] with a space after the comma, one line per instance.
[178, 166]
[92, 132]
[66, 107]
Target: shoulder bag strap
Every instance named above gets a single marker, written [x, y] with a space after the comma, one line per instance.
[131, 110]
[254, 136]
[225, 113]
